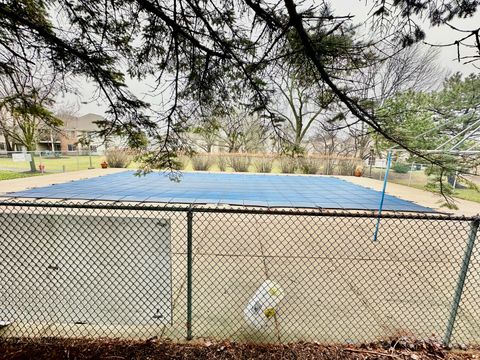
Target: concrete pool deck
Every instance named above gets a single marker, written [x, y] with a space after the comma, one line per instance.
[421, 197]
[254, 190]
[51, 179]
[340, 286]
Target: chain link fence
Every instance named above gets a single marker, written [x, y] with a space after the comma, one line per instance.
[137, 271]
[50, 161]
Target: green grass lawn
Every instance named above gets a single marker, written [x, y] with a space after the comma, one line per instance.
[7, 175]
[67, 163]
[10, 170]
[465, 194]
[468, 194]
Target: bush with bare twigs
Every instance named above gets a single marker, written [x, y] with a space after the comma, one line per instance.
[263, 165]
[222, 162]
[118, 158]
[183, 161]
[328, 167]
[240, 163]
[308, 165]
[201, 162]
[287, 165]
[346, 167]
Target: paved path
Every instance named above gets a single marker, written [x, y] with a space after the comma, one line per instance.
[339, 285]
[421, 197]
[232, 189]
[45, 180]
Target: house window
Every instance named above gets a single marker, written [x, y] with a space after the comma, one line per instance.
[71, 147]
[2, 146]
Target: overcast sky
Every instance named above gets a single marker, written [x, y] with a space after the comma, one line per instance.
[357, 8]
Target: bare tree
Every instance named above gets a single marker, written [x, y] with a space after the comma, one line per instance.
[235, 129]
[206, 52]
[6, 128]
[299, 106]
[412, 68]
[24, 102]
[325, 140]
[240, 130]
[207, 132]
[397, 70]
[330, 139]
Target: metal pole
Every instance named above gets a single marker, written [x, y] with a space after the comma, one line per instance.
[389, 160]
[42, 169]
[411, 171]
[90, 155]
[465, 138]
[189, 273]
[477, 122]
[461, 281]
[455, 180]
[371, 161]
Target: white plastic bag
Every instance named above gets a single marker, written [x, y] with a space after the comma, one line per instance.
[262, 306]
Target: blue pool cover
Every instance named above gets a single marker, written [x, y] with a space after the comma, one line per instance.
[223, 188]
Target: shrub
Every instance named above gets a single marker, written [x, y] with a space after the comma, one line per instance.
[222, 162]
[263, 165]
[118, 158]
[240, 163]
[308, 165]
[183, 161]
[401, 168]
[287, 165]
[346, 167]
[328, 166]
[201, 162]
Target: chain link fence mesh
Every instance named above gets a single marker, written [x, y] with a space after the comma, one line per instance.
[131, 271]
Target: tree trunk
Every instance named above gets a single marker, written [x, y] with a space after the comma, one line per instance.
[32, 165]
[8, 143]
[31, 150]
[298, 139]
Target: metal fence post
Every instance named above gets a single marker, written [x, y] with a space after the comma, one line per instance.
[189, 273]
[410, 173]
[461, 281]
[380, 207]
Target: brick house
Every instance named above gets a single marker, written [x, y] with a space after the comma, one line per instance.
[66, 139]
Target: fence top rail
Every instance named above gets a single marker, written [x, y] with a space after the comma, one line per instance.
[199, 208]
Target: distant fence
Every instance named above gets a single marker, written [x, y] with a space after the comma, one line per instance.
[312, 164]
[49, 161]
[103, 270]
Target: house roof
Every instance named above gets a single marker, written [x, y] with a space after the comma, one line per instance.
[82, 123]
